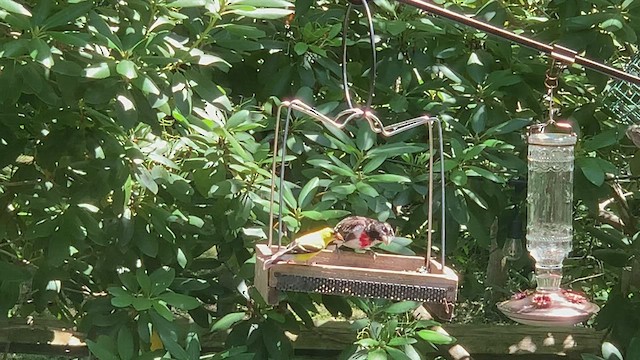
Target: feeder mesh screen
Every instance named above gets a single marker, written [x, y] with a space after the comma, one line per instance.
[360, 288]
[623, 98]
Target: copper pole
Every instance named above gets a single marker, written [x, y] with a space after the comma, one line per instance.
[559, 53]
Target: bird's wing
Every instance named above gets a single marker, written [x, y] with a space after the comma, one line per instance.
[308, 244]
[351, 227]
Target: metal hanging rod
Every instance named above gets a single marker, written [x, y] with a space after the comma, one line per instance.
[557, 52]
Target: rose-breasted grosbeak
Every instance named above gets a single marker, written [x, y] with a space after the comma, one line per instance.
[361, 233]
[303, 248]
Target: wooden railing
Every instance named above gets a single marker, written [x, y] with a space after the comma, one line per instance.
[328, 338]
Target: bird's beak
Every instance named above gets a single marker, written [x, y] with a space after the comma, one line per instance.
[387, 240]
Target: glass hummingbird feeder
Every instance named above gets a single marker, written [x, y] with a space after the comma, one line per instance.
[549, 228]
[389, 276]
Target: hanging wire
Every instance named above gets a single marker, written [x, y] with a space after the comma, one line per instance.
[374, 56]
[427, 258]
[442, 203]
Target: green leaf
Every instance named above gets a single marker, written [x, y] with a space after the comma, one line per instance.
[260, 13]
[610, 352]
[457, 206]
[458, 177]
[144, 177]
[160, 280]
[184, 302]
[344, 189]
[365, 138]
[186, 3]
[368, 342]
[478, 171]
[125, 343]
[611, 25]
[613, 257]
[337, 305]
[97, 71]
[397, 354]
[11, 272]
[377, 354]
[227, 321]
[435, 337]
[127, 69]
[590, 357]
[476, 198]
[182, 94]
[143, 280]
[308, 192]
[475, 68]
[479, 118]
[102, 29]
[633, 351]
[41, 53]
[396, 27]
[374, 163]
[401, 307]
[100, 350]
[264, 3]
[388, 178]
[507, 127]
[122, 301]
[323, 163]
[14, 7]
[398, 341]
[366, 189]
[300, 48]
[163, 310]
[324, 215]
[181, 258]
[591, 169]
[141, 304]
[602, 140]
[69, 13]
[412, 353]
[395, 149]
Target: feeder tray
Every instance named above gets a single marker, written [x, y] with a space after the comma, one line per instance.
[386, 276]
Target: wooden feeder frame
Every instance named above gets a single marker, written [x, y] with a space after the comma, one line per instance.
[388, 276]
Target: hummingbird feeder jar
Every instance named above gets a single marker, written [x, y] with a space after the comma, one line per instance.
[549, 233]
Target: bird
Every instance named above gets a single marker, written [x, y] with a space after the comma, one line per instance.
[303, 248]
[633, 133]
[361, 233]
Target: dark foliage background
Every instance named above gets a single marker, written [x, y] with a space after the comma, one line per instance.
[135, 147]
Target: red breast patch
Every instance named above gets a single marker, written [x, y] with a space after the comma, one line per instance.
[365, 240]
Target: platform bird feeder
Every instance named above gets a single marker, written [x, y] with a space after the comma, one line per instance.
[387, 276]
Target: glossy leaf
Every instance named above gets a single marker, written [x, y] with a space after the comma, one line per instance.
[127, 69]
[180, 301]
[401, 307]
[396, 354]
[125, 343]
[435, 337]
[228, 321]
[14, 7]
[377, 354]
